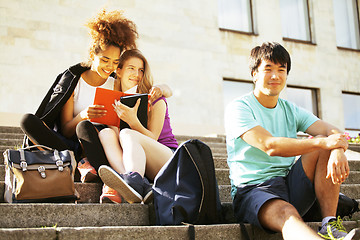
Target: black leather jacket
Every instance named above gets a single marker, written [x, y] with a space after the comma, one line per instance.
[61, 90]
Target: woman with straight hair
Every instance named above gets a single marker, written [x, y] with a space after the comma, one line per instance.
[137, 154]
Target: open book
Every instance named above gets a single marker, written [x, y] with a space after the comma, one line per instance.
[107, 98]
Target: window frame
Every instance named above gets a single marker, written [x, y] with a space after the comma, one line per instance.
[236, 80]
[252, 25]
[350, 93]
[358, 22]
[315, 94]
[310, 28]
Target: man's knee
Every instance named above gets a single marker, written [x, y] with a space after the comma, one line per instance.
[276, 209]
[310, 162]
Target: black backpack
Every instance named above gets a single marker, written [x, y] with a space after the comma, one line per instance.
[346, 208]
[185, 189]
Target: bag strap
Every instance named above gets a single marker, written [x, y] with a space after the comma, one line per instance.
[58, 161]
[23, 163]
[38, 146]
[190, 149]
[209, 196]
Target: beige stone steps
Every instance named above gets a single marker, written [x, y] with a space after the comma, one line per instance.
[8, 129]
[90, 220]
[215, 139]
[90, 194]
[203, 232]
[73, 215]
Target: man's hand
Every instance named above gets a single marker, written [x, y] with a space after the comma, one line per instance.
[338, 166]
[336, 141]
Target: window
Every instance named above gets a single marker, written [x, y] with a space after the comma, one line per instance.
[303, 97]
[235, 15]
[295, 19]
[351, 103]
[346, 23]
[233, 89]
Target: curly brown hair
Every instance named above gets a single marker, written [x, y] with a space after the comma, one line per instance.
[111, 28]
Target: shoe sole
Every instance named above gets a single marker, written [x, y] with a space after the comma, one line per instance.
[113, 180]
[353, 234]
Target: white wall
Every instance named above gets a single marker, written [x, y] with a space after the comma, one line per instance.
[185, 48]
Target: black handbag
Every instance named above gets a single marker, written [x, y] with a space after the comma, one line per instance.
[34, 175]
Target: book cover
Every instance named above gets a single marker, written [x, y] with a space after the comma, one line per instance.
[107, 97]
[130, 101]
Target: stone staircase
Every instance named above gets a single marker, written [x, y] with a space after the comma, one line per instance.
[90, 220]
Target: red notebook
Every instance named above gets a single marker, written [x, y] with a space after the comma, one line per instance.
[107, 98]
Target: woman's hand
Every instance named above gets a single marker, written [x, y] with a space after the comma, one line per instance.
[155, 93]
[94, 111]
[127, 114]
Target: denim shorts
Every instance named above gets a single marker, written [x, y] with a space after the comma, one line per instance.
[296, 188]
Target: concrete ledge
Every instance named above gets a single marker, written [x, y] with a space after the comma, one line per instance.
[203, 232]
[124, 233]
[226, 231]
[354, 147]
[28, 234]
[72, 215]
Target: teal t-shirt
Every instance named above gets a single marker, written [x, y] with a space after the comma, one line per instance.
[248, 164]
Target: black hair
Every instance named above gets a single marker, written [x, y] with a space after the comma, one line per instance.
[272, 51]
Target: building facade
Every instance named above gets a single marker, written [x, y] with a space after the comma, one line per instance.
[199, 48]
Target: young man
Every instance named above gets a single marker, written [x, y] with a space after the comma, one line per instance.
[269, 188]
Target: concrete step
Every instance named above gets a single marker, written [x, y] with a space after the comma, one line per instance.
[83, 215]
[4, 136]
[203, 232]
[207, 140]
[90, 220]
[6, 129]
[73, 215]
[11, 143]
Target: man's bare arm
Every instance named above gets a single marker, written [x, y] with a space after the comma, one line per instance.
[287, 147]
